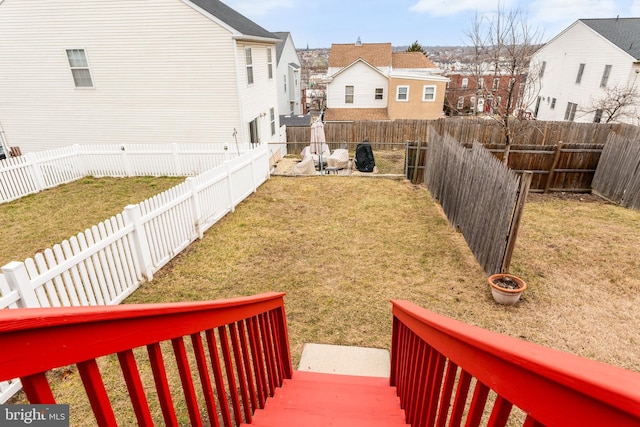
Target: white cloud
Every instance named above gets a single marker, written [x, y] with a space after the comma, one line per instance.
[258, 7]
[449, 7]
[553, 11]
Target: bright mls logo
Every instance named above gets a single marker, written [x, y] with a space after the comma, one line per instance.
[34, 415]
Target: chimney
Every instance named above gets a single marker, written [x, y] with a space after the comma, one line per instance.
[358, 42]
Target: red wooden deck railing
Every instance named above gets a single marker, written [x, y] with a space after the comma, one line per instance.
[241, 343]
[435, 361]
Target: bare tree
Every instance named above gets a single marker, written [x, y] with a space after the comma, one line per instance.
[504, 43]
[615, 104]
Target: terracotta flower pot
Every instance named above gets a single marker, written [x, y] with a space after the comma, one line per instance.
[507, 295]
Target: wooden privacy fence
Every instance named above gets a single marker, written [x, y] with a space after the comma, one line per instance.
[105, 264]
[37, 171]
[618, 174]
[557, 167]
[382, 135]
[479, 195]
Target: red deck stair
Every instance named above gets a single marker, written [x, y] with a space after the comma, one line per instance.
[313, 399]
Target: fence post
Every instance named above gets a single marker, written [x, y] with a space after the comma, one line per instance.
[195, 205]
[552, 170]
[18, 280]
[140, 248]
[82, 169]
[125, 161]
[253, 169]
[35, 172]
[232, 206]
[525, 183]
[176, 159]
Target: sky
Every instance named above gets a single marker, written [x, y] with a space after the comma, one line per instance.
[318, 24]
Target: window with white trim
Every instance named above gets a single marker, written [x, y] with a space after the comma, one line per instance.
[597, 117]
[460, 102]
[580, 72]
[249, 62]
[472, 100]
[465, 83]
[542, 67]
[254, 133]
[348, 94]
[285, 83]
[429, 93]
[272, 114]
[605, 75]
[496, 83]
[79, 67]
[402, 93]
[269, 63]
[379, 93]
[553, 103]
[570, 112]
[480, 83]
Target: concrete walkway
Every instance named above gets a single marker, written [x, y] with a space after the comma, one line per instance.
[343, 360]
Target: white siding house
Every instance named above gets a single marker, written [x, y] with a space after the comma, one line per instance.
[359, 86]
[126, 71]
[288, 76]
[581, 66]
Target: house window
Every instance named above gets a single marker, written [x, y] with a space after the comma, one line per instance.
[465, 83]
[580, 72]
[570, 113]
[379, 93]
[402, 93]
[553, 103]
[542, 67]
[480, 83]
[496, 83]
[472, 100]
[253, 131]
[460, 102]
[348, 94]
[597, 118]
[272, 116]
[285, 83]
[605, 75]
[249, 61]
[429, 93]
[79, 67]
[269, 63]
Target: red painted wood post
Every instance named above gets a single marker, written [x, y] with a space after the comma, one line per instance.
[447, 392]
[187, 382]
[37, 388]
[135, 387]
[242, 379]
[258, 360]
[205, 378]
[246, 358]
[217, 375]
[162, 384]
[231, 381]
[97, 394]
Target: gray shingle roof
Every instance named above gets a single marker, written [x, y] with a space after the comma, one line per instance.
[623, 32]
[280, 46]
[234, 19]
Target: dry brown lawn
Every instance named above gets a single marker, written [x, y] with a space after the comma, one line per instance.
[342, 247]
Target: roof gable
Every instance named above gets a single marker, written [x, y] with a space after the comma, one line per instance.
[622, 32]
[283, 36]
[233, 19]
[358, 61]
[376, 54]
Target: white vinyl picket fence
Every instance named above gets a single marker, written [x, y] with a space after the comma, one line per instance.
[106, 263]
[37, 171]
